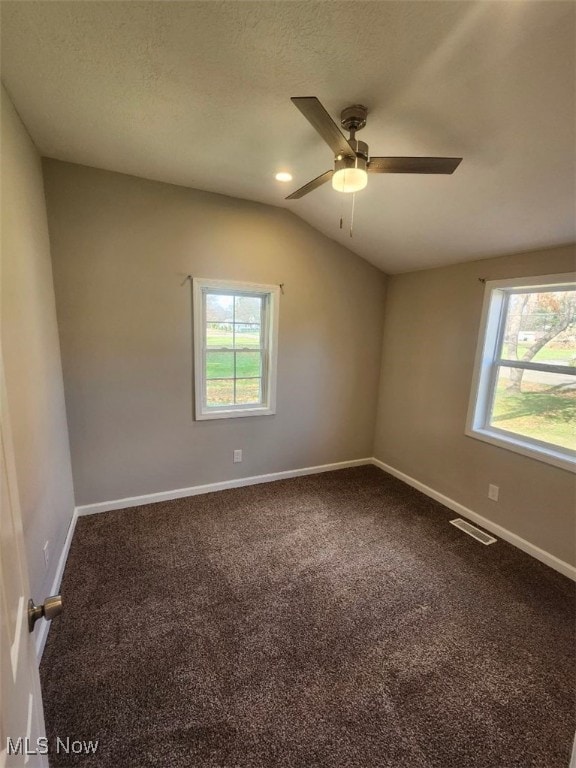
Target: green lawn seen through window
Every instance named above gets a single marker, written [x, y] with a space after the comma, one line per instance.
[556, 353]
[232, 357]
[546, 413]
[220, 365]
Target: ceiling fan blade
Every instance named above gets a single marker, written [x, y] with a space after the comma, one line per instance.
[317, 116]
[413, 164]
[311, 186]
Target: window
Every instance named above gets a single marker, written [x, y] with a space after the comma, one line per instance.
[235, 338]
[524, 387]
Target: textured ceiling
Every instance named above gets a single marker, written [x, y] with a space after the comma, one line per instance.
[198, 93]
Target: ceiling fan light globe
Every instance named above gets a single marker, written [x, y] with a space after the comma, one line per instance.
[349, 179]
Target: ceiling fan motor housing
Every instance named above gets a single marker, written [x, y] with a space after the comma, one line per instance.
[360, 147]
[343, 161]
[354, 118]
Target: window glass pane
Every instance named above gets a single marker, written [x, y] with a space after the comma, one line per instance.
[248, 321]
[219, 335]
[220, 365]
[536, 404]
[248, 364]
[219, 308]
[248, 391]
[247, 336]
[541, 328]
[559, 351]
[220, 392]
[248, 309]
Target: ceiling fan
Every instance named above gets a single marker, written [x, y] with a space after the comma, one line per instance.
[352, 163]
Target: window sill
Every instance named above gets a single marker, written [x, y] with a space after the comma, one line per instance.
[234, 413]
[526, 447]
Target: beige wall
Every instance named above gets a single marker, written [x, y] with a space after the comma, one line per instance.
[121, 248]
[430, 333]
[31, 353]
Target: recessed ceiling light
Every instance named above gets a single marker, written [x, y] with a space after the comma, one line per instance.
[283, 176]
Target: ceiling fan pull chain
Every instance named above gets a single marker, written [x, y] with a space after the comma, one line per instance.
[352, 214]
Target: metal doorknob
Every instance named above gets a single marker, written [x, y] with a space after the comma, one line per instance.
[51, 608]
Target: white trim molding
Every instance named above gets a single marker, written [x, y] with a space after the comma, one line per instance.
[44, 626]
[196, 490]
[573, 758]
[512, 538]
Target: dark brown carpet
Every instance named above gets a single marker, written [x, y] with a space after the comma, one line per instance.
[334, 620]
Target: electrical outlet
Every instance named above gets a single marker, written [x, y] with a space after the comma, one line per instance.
[46, 551]
[237, 456]
[493, 491]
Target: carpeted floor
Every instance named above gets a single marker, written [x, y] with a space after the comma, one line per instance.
[330, 621]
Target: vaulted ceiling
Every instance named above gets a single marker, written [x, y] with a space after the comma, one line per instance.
[198, 94]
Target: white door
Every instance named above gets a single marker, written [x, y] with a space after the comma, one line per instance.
[22, 717]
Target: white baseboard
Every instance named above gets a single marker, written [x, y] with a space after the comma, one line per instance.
[195, 490]
[531, 549]
[44, 626]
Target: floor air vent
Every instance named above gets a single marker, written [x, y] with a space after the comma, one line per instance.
[471, 530]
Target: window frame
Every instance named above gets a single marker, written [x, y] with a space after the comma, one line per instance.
[488, 360]
[271, 294]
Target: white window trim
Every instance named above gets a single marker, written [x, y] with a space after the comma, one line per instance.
[203, 412]
[496, 294]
